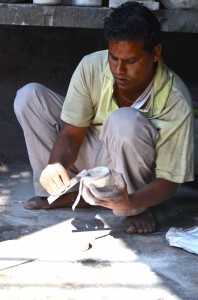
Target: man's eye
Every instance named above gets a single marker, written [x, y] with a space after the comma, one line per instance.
[130, 62]
[113, 58]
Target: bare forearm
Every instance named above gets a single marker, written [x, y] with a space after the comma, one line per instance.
[67, 145]
[153, 193]
[63, 152]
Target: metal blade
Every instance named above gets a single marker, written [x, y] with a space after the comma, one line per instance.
[75, 180]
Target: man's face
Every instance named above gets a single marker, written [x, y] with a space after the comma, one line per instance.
[131, 66]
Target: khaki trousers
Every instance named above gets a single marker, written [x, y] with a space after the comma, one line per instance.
[126, 143]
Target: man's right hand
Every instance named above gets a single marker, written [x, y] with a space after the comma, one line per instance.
[54, 178]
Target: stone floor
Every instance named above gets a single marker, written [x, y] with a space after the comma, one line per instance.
[61, 254]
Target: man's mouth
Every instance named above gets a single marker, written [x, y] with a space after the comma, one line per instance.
[120, 80]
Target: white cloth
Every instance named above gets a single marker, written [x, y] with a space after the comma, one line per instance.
[184, 238]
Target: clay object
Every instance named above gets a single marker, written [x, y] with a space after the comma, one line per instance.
[100, 177]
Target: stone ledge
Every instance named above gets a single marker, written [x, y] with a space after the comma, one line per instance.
[87, 17]
[178, 20]
[56, 16]
[153, 5]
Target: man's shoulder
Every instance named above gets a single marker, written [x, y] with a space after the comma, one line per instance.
[102, 54]
[181, 89]
[95, 58]
[94, 65]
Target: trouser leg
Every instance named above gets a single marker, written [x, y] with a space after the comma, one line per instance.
[92, 153]
[130, 139]
[127, 145]
[38, 111]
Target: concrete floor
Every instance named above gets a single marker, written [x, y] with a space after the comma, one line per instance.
[43, 254]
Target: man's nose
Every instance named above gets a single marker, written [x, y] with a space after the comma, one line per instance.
[120, 68]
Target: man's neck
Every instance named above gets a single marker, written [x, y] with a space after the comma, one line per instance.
[130, 97]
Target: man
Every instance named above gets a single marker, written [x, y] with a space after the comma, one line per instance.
[124, 109]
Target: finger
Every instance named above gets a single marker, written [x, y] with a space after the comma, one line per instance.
[61, 171]
[92, 200]
[119, 179]
[50, 185]
[51, 179]
[89, 197]
[57, 172]
[103, 193]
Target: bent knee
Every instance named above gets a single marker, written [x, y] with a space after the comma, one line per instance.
[123, 119]
[127, 123]
[26, 95]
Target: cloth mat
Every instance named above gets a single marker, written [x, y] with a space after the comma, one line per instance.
[184, 238]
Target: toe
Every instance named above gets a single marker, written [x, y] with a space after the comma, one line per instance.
[26, 205]
[143, 223]
[130, 228]
[140, 228]
[30, 204]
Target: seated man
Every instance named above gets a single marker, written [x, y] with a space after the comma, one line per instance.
[124, 109]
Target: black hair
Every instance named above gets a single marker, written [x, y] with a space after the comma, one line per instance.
[133, 21]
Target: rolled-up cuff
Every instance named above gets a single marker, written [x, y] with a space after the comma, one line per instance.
[130, 212]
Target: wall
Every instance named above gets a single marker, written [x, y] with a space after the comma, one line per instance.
[52, 53]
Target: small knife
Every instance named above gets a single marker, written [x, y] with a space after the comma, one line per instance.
[76, 179]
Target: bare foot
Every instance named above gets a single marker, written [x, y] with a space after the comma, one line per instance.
[142, 223]
[65, 200]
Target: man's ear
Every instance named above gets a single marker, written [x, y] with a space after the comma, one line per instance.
[157, 52]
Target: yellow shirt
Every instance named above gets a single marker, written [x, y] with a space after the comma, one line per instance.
[89, 101]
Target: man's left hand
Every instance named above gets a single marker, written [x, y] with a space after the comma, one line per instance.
[112, 196]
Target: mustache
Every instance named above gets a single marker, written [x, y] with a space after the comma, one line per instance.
[120, 77]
